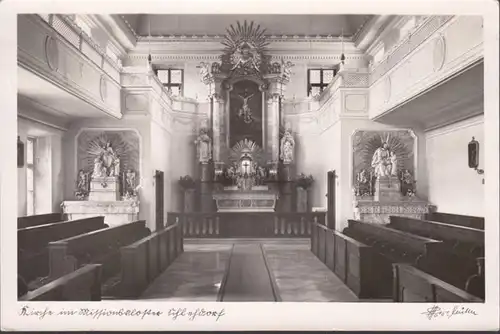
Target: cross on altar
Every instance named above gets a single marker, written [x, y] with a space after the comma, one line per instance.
[245, 164]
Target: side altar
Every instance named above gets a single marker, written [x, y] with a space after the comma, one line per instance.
[245, 150]
[103, 189]
[384, 183]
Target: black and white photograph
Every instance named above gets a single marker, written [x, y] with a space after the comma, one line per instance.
[181, 164]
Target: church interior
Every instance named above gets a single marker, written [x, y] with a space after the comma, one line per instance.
[281, 158]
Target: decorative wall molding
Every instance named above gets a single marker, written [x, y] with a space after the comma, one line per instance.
[407, 45]
[47, 54]
[439, 52]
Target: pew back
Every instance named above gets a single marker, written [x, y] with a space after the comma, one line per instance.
[441, 231]
[359, 266]
[37, 237]
[35, 220]
[83, 284]
[100, 246]
[414, 285]
[461, 220]
[403, 240]
[145, 259]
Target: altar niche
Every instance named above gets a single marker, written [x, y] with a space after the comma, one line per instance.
[245, 113]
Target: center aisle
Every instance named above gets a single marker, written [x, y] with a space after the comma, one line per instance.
[248, 277]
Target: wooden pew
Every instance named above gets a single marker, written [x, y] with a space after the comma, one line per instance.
[461, 220]
[147, 258]
[33, 241]
[413, 285]
[83, 284]
[102, 247]
[359, 266]
[35, 220]
[463, 247]
[469, 241]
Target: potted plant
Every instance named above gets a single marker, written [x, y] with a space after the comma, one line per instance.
[188, 185]
[303, 183]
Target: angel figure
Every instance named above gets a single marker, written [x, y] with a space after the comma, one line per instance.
[286, 68]
[204, 71]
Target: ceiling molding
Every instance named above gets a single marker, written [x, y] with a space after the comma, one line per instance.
[370, 31]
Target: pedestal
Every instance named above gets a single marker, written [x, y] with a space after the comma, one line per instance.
[206, 198]
[286, 188]
[302, 200]
[104, 189]
[387, 189]
[114, 212]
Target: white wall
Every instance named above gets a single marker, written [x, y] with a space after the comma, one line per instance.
[453, 186]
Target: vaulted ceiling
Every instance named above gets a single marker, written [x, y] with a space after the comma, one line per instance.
[216, 24]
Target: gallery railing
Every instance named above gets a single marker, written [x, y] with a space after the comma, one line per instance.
[246, 225]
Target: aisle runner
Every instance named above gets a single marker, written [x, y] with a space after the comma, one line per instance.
[248, 278]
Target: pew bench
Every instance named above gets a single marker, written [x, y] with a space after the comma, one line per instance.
[35, 220]
[84, 284]
[460, 220]
[358, 265]
[99, 247]
[463, 249]
[32, 242]
[412, 285]
[143, 261]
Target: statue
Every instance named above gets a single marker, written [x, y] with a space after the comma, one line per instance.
[204, 144]
[286, 69]
[204, 71]
[384, 162]
[106, 163]
[130, 177]
[98, 168]
[287, 146]
[245, 110]
[363, 181]
[82, 185]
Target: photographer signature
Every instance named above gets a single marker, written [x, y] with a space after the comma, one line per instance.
[435, 311]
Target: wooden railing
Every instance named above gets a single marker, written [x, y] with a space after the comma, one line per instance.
[250, 225]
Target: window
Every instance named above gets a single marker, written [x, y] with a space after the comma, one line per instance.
[30, 175]
[318, 79]
[171, 79]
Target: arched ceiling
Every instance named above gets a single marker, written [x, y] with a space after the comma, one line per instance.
[216, 24]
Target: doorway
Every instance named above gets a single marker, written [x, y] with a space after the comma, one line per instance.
[159, 203]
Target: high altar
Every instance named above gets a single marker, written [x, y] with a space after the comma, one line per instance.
[245, 147]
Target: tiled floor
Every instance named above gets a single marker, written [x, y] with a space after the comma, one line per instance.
[301, 277]
[197, 274]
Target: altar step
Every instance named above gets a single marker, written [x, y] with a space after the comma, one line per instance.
[230, 241]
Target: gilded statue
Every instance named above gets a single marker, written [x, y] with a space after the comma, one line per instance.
[287, 147]
[204, 146]
[245, 112]
[384, 162]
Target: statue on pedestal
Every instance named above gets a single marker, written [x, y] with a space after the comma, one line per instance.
[287, 147]
[82, 185]
[204, 146]
[106, 163]
[384, 162]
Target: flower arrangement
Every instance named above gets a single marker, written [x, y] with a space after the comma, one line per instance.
[187, 182]
[304, 181]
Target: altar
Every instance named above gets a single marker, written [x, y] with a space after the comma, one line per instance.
[104, 187]
[245, 149]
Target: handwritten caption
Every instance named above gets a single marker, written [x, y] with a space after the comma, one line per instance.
[435, 312]
[97, 313]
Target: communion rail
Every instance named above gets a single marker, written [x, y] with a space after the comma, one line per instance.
[247, 224]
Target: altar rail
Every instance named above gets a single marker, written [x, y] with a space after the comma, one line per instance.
[246, 225]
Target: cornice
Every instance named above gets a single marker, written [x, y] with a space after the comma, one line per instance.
[216, 57]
